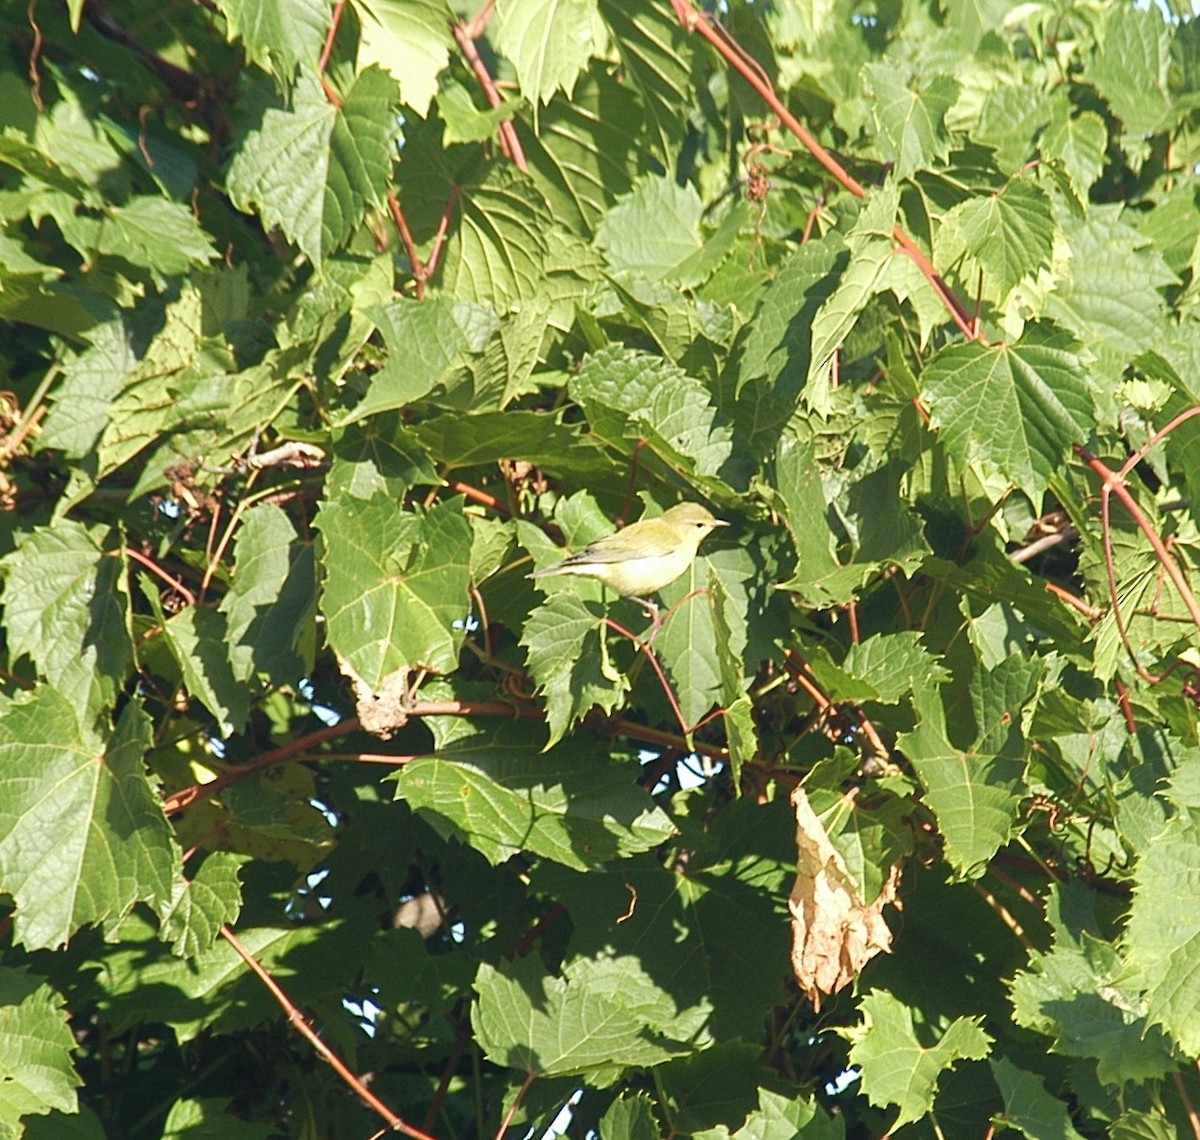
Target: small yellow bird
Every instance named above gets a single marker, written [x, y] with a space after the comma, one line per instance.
[644, 557]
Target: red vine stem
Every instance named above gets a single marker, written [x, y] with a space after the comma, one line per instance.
[477, 495]
[331, 37]
[1126, 708]
[799, 672]
[1192, 1115]
[300, 1024]
[175, 584]
[462, 1028]
[466, 33]
[694, 21]
[644, 646]
[422, 270]
[1114, 484]
[1110, 570]
[478, 23]
[1089, 611]
[512, 1108]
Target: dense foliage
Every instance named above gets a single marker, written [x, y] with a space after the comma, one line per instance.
[326, 323]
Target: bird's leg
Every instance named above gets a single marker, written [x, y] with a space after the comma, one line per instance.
[651, 609]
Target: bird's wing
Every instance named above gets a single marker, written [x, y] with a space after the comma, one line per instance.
[604, 550]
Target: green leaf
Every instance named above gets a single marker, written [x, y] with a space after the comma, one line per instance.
[975, 792]
[154, 233]
[779, 1117]
[656, 56]
[713, 1088]
[655, 233]
[1078, 142]
[687, 646]
[738, 721]
[197, 639]
[1010, 233]
[715, 938]
[215, 989]
[197, 1119]
[1012, 116]
[465, 123]
[1112, 297]
[871, 248]
[912, 130]
[988, 577]
[630, 396]
[449, 330]
[313, 168]
[884, 668]
[1162, 938]
[539, 438]
[82, 834]
[571, 805]
[378, 455]
[629, 1117]
[186, 396]
[590, 1023]
[411, 39]
[200, 906]
[1012, 410]
[503, 371]
[499, 250]
[800, 493]
[1028, 1107]
[1130, 67]
[66, 606]
[36, 1076]
[279, 35]
[586, 150]
[1076, 995]
[568, 659]
[92, 378]
[896, 1068]
[711, 645]
[549, 42]
[395, 590]
[271, 602]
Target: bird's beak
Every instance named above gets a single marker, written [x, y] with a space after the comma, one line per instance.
[719, 522]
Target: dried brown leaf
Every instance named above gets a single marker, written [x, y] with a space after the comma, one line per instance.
[834, 934]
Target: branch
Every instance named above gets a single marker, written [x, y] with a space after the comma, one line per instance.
[512, 1108]
[1092, 613]
[1046, 542]
[331, 37]
[185, 86]
[185, 797]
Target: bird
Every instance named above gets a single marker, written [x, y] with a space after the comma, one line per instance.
[645, 556]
